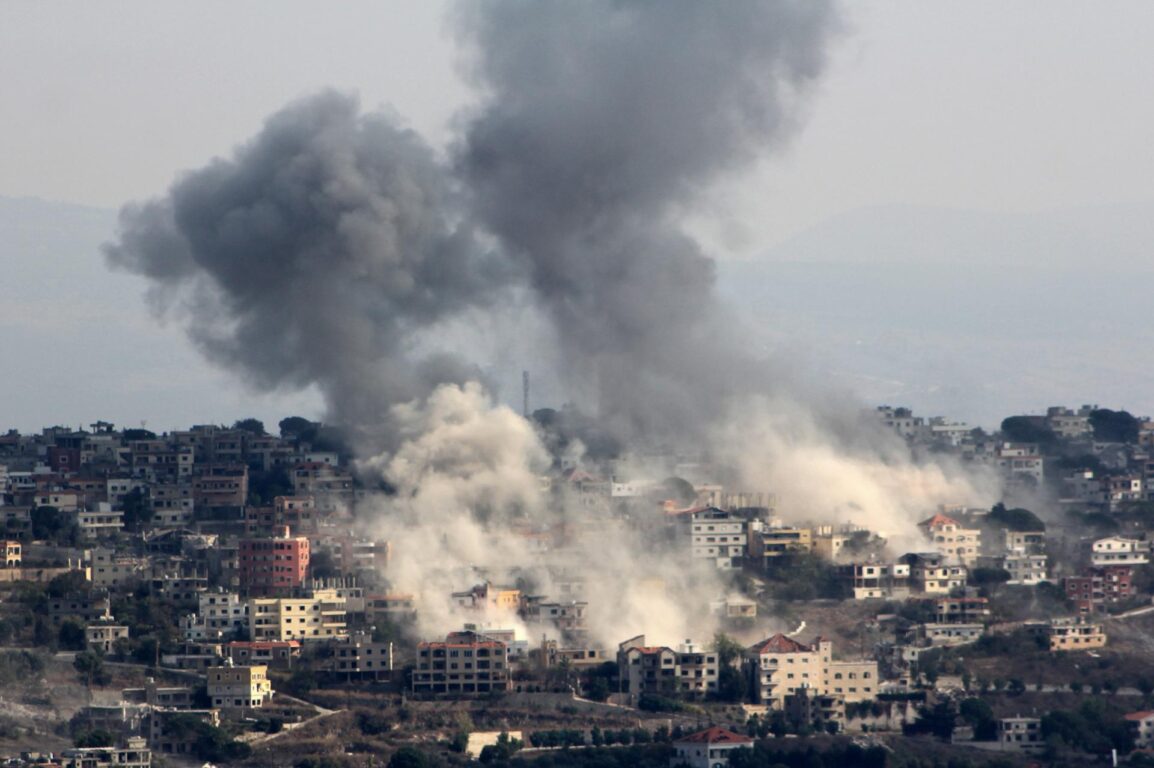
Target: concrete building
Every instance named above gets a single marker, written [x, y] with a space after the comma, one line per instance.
[1141, 725]
[1020, 734]
[1024, 568]
[232, 688]
[321, 617]
[12, 553]
[710, 748]
[464, 663]
[273, 566]
[219, 615]
[103, 637]
[878, 581]
[714, 535]
[957, 544]
[931, 574]
[781, 665]
[1075, 634]
[1119, 550]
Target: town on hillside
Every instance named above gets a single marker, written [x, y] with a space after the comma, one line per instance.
[236, 595]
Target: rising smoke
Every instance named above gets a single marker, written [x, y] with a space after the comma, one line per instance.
[334, 247]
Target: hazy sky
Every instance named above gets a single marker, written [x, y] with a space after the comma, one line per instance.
[995, 106]
[992, 105]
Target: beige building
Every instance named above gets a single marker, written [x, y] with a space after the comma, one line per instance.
[955, 543]
[239, 687]
[782, 666]
[1075, 634]
[464, 663]
[103, 637]
[12, 554]
[321, 617]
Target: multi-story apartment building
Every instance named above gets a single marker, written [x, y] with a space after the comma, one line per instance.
[1075, 634]
[464, 663]
[273, 566]
[1024, 568]
[1098, 587]
[232, 688]
[878, 581]
[780, 666]
[714, 535]
[931, 574]
[955, 543]
[768, 542]
[1119, 550]
[13, 553]
[320, 617]
[219, 615]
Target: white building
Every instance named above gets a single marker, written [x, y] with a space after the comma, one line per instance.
[1025, 569]
[716, 535]
[1118, 550]
[710, 748]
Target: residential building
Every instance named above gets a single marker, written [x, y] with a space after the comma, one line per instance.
[881, 581]
[1119, 550]
[646, 669]
[273, 566]
[950, 539]
[781, 665]
[769, 542]
[1141, 725]
[220, 614]
[962, 610]
[806, 708]
[272, 653]
[1020, 734]
[1098, 587]
[931, 574]
[103, 637]
[361, 656]
[135, 754]
[1025, 569]
[1075, 634]
[464, 663]
[714, 535]
[12, 553]
[232, 688]
[321, 617]
[710, 748]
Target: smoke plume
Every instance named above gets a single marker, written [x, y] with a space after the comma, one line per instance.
[335, 248]
[601, 124]
[319, 253]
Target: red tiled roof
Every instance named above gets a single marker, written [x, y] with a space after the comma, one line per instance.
[779, 643]
[715, 735]
[1143, 715]
[939, 519]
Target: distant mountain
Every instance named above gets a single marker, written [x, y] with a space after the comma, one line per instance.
[965, 314]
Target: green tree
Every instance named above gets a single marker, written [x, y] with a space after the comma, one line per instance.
[1114, 426]
[408, 757]
[728, 650]
[96, 738]
[71, 635]
[137, 511]
[90, 666]
[1027, 429]
[731, 685]
[252, 426]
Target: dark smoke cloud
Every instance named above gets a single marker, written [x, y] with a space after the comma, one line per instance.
[602, 122]
[316, 254]
[332, 248]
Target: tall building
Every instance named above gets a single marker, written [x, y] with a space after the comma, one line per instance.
[273, 566]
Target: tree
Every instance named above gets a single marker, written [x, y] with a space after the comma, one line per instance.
[96, 738]
[1114, 426]
[132, 435]
[50, 523]
[1027, 429]
[731, 685]
[297, 428]
[728, 650]
[137, 511]
[71, 635]
[90, 665]
[67, 583]
[252, 426]
[408, 757]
